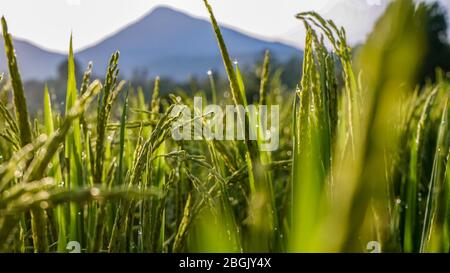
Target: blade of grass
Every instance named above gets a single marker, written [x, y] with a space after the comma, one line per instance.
[38, 224]
[55, 172]
[73, 149]
[433, 234]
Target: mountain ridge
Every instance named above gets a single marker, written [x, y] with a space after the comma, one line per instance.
[165, 42]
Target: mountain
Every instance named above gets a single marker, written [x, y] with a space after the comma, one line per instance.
[170, 43]
[34, 63]
[165, 42]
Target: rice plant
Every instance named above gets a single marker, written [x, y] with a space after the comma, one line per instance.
[363, 156]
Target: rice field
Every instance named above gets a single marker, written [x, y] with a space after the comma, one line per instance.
[362, 163]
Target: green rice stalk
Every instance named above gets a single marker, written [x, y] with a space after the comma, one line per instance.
[55, 172]
[104, 110]
[73, 149]
[264, 79]
[212, 84]
[411, 222]
[20, 103]
[182, 228]
[260, 190]
[434, 228]
[123, 120]
[106, 99]
[38, 217]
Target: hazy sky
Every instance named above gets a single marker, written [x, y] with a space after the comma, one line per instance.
[48, 23]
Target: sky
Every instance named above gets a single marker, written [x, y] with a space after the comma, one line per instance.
[48, 23]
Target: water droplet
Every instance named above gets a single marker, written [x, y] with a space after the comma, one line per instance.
[25, 198]
[95, 192]
[235, 62]
[22, 165]
[43, 205]
[43, 195]
[178, 99]
[18, 173]
[398, 201]
[209, 73]
[42, 138]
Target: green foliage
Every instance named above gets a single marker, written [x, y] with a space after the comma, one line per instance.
[364, 161]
